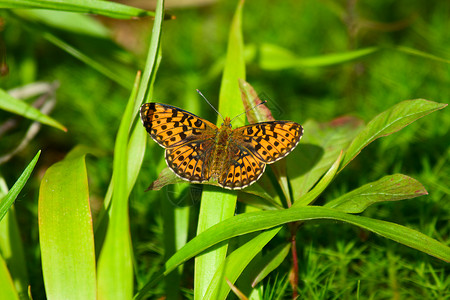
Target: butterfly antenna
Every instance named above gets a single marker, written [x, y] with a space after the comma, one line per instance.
[249, 110]
[198, 91]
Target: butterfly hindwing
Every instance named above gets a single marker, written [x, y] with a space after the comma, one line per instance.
[189, 161]
[171, 126]
[243, 169]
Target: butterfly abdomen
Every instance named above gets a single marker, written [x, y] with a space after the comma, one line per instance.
[218, 161]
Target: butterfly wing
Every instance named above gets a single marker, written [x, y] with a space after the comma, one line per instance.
[190, 160]
[188, 139]
[171, 126]
[243, 168]
[269, 141]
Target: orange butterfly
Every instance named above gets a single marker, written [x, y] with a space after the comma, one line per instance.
[198, 151]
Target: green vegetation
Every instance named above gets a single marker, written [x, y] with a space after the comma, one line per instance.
[82, 224]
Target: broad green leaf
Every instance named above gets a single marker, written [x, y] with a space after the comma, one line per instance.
[6, 284]
[217, 204]
[8, 200]
[271, 261]
[235, 263]
[105, 8]
[321, 186]
[273, 57]
[65, 231]
[23, 109]
[389, 188]
[318, 149]
[251, 222]
[388, 122]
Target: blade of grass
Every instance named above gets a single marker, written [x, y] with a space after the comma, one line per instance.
[115, 279]
[235, 263]
[271, 261]
[115, 267]
[312, 161]
[255, 221]
[320, 186]
[217, 205]
[65, 231]
[11, 248]
[23, 109]
[6, 283]
[104, 8]
[11, 196]
[276, 58]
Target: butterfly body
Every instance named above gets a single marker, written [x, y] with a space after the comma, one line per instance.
[198, 151]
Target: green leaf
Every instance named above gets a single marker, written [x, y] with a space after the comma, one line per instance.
[255, 221]
[115, 271]
[218, 204]
[6, 284]
[389, 188]
[419, 53]
[235, 263]
[12, 250]
[73, 23]
[321, 186]
[318, 150]
[104, 8]
[271, 261]
[8, 200]
[115, 267]
[65, 231]
[273, 57]
[388, 122]
[23, 109]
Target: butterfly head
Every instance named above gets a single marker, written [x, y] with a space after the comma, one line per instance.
[226, 122]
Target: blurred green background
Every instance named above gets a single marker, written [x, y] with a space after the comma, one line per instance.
[333, 257]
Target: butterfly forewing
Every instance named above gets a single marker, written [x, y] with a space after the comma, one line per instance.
[269, 141]
[171, 126]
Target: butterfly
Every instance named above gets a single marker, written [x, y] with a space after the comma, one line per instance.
[198, 151]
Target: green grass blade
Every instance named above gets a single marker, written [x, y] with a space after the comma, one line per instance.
[311, 159]
[115, 267]
[12, 250]
[111, 74]
[65, 231]
[276, 58]
[389, 188]
[321, 186]
[8, 200]
[23, 109]
[251, 222]
[415, 52]
[6, 284]
[388, 122]
[235, 263]
[271, 261]
[104, 8]
[216, 204]
[115, 278]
